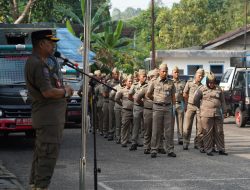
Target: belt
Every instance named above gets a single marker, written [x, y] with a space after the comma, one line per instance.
[162, 104]
[148, 108]
[138, 105]
[127, 109]
[178, 102]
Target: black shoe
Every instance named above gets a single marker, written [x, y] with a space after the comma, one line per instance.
[162, 151]
[124, 145]
[180, 143]
[153, 155]
[105, 136]
[140, 145]
[147, 151]
[171, 154]
[223, 153]
[129, 142]
[202, 151]
[214, 150]
[118, 141]
[196, 147]
[133, 147]
[185, 148]
[101, 133]
[110, 138]
[210, 154]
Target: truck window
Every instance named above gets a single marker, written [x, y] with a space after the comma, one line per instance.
[225, 77]
[240, 81]
[12, 69]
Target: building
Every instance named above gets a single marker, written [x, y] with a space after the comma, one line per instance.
[216, 55]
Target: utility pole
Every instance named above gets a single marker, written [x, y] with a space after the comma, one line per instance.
[86, 45]
[245, 34]
[153, 35]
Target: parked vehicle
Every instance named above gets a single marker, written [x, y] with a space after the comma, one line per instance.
[74, 109]
[15, 104]
[236, 85]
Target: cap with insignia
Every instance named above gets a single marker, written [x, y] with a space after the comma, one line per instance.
[97, 73]
[43, 34]
[211, 76]
[175, 68]
[142, 72]
[163, 66]
[200, 71]
[115, 70]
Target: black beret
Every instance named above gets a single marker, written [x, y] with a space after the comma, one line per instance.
[43, 34]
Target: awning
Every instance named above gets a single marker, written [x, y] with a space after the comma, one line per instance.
[69, 46]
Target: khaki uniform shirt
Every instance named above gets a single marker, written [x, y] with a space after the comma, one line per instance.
[162, 90]
[190, 89]
[135, 89]
[98, 93]
[40, 77]
[179, 86]
[122, 96]
[112, 96]
[212, 102]
[111, 83]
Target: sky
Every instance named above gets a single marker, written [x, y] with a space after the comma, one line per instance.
[143, 4]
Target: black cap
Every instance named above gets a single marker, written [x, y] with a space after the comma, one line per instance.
[43, 34]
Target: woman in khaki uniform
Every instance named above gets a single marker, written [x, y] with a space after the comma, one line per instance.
[210, 99]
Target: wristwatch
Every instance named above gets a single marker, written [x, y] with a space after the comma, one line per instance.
[66, 95]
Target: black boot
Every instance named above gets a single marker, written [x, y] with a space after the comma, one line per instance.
[133, 147]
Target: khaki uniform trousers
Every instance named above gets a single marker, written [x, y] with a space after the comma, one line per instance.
[99, 119]
[47, 145]
[118, 118]
[111, 114]
[148, 119]
[162, 124]
[137, 123]
[105, 111]
[127, 121]
[179, 116]
[213, 133]
[192, 110]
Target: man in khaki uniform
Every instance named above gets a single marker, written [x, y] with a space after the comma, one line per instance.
[162, 92]
[178, 111]
[192, 110]
[211, 101]
[137, 109]
[105, 108]
[118, 109]
[99, 103]
[113, 82]
[147, 110]
[121, 97]
[48, 107]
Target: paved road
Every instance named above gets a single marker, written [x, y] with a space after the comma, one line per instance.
[124, 170]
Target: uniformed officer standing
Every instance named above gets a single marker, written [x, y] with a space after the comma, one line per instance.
[137, 108]
[48, 93]
[147, 110]
[211, 100]
[162, 92]
[99, 103]
[105, 108]
[113, 82]
[178, 111]
[118, 108]
[191, 110]
[121, 97]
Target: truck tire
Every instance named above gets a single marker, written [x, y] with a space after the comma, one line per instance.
[30, 134]
[240, 118]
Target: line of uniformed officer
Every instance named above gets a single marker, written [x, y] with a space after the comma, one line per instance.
[151, 107]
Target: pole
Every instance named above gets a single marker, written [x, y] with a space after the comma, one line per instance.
[153, 35]
[245, 34]
[86, 45]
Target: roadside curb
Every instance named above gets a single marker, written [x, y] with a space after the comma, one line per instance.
[8, 181]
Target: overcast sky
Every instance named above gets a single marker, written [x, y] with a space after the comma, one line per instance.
[143, 4]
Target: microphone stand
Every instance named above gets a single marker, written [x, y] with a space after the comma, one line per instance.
[92, 105]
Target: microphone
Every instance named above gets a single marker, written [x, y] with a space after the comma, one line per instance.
[57, 54]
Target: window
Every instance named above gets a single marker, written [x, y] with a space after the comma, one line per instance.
[216, 69]
[193, 68]
[226, 75]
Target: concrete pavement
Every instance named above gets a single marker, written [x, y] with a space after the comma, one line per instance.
[8, 181]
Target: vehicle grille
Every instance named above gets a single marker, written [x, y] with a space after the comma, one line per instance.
[17, 113]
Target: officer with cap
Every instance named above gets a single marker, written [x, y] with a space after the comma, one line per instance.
[162, 92]
[178, 111]
[191, 111]
[137, 108]
[48, 93]
[147, 110]
[211, 101]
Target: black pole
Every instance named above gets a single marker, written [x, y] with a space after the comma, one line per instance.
[153, 35]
